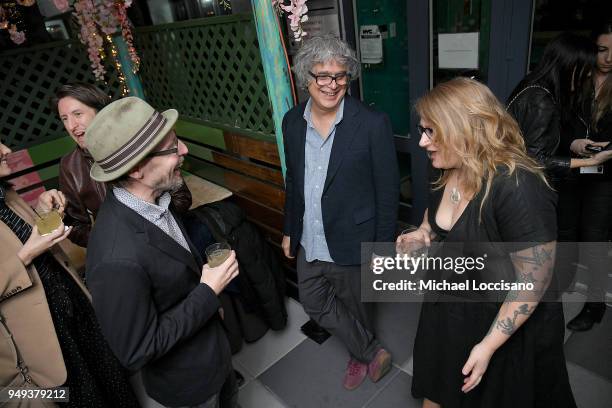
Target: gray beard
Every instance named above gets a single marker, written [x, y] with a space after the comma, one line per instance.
[172, 188]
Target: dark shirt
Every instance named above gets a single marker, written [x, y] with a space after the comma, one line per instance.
[518, 213]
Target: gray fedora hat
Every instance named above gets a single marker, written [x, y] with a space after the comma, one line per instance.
[123, 133]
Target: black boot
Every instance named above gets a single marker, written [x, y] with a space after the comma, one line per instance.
[591, 313]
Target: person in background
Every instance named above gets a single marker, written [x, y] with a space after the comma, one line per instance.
[549, 105]
[77, 104]
[591, 212]
[547, 97]
[51, 337]
[491, 197]
[342, 189]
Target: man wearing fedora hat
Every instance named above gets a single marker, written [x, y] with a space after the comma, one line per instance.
[156, 304]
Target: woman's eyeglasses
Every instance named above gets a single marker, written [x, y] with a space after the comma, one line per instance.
[428, 131]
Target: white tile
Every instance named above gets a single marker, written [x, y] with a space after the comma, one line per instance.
[256, 395]
[407, 366]
[257, 357]
[590, 390]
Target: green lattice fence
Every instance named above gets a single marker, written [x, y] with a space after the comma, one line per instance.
[209, 70]
[29, 78]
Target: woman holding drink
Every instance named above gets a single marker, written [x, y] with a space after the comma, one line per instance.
[489, 194]
[51, 334]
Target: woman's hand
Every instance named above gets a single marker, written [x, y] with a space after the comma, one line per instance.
[421, 234]
[52, 199]
[476, 365]
[37, 244]
[578, 147]
[601, 157]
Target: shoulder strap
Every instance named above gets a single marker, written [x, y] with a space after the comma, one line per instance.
[529, 87]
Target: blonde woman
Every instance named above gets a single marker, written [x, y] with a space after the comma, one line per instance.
[489, 196]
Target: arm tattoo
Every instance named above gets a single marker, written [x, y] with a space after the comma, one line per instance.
[535, 267]
[540, 255]
[508, 325]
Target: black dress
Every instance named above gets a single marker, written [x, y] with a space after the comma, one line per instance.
[529, 369]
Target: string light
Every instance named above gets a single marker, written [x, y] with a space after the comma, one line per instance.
[120, 75]
[11, 20]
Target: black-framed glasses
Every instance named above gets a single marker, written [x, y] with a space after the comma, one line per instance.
[341, 78]
[166, 152]
[428, 131]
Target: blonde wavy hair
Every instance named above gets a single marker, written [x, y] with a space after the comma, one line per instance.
[469, 121]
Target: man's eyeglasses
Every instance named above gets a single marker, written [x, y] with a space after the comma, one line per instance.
[341, 78]
[166, 152]
[428, 132]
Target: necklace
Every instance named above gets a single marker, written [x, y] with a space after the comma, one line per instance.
[455, 196]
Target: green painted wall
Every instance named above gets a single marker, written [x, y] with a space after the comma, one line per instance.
[464, 16]
[385, 85]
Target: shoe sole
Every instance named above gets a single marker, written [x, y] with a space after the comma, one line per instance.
[352, 388]
[355, 386]
[384, 368]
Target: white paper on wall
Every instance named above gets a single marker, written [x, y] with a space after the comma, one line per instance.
[370, 44]
[458, 51]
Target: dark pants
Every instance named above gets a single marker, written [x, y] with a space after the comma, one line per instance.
[330, 295]
[585, 215]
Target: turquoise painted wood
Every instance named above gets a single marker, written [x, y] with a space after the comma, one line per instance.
[131, 79]
[275, 67]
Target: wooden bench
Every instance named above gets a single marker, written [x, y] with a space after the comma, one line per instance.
[247, 165]
[36, 169]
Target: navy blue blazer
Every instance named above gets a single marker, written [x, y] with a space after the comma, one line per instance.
[153, 311]
[361, 193]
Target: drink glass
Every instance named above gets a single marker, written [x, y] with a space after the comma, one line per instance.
[48, 221]
[217, 253]
[414, 247]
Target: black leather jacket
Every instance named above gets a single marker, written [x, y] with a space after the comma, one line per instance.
[539, 118]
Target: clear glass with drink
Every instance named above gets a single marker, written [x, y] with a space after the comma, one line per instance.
[48, 221]
[217, 253]
[414, 247]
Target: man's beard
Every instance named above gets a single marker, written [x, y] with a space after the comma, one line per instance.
[176, 185]
[171, 187]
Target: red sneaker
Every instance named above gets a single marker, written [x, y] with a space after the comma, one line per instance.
[355, 374]
[380, 365]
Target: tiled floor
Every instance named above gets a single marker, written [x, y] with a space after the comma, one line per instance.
[286, 369]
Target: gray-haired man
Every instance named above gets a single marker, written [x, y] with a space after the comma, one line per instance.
[342, 189]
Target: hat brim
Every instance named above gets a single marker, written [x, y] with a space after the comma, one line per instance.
[98, 174]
